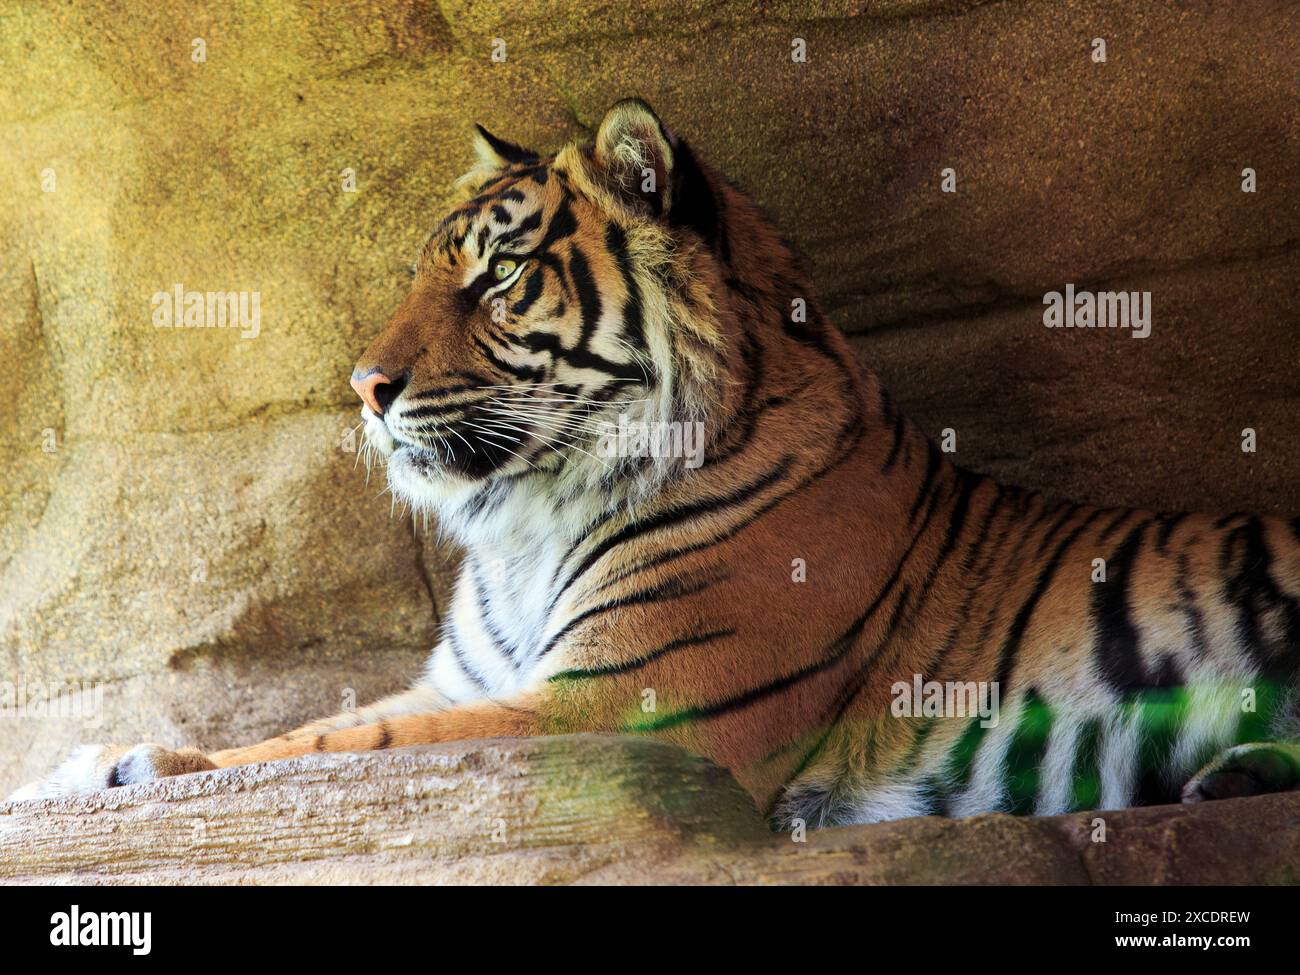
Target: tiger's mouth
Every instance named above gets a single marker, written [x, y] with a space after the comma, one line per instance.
[451, 456]
[475, 464]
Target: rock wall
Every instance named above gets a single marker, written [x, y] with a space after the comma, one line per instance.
[180, 517]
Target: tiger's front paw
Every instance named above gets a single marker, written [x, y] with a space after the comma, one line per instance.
[93, 767]
[1246, 770]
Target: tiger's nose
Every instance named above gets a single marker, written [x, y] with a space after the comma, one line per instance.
[377, 391]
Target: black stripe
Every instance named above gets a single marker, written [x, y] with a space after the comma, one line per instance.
[1022, 528]
[563, 225]
[1246, 559]
[672, 516]
[532, 291]
[1011, 645]
[469, 296]
[750, 410]
[1049, 536]
[499, 641]
[1187, 603]
[852, 687]
[1228, 519]
[1116, 645]
[676, 588]
[897, 574]
[503, 341]
[478, 383]
[439, 409]
[969, 483]
[589, 302]
[527, 225]
[462, 661]
[981, 535]
[490, 491]
[457, 241]
[888, 405]
[837, 653]
[695, 205]
[636, 663]
[582, 358]
[1123, 516]
[975, 579]
[1168, 523]
[464, 210]
[552, 263]
[1110, 528]
[933, 462]
[900, 426]
[633, 326]
[525, 373]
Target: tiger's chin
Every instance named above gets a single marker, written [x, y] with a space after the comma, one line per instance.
[412, 468]
[425, 482]
[409, 463]
[438, 481]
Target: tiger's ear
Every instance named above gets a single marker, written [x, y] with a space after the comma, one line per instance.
[634, 153]
[494, 153]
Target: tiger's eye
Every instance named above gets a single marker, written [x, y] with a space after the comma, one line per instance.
[504, 269]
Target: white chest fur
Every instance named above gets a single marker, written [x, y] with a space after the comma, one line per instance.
[504, 609]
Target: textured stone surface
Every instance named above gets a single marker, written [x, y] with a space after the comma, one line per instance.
[592, 809]
[198, 541]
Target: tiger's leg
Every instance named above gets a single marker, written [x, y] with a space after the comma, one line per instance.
[517, 718]
[420, 698]
[93, 767]
[1247, 770]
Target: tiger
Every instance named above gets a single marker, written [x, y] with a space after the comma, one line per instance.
[769, 599]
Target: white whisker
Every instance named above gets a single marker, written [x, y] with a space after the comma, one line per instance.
[553, 420]
[489, 434]
[548, 440]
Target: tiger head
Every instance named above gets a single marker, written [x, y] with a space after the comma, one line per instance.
[560, 297]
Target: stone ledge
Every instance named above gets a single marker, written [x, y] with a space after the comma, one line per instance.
[590, 808]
